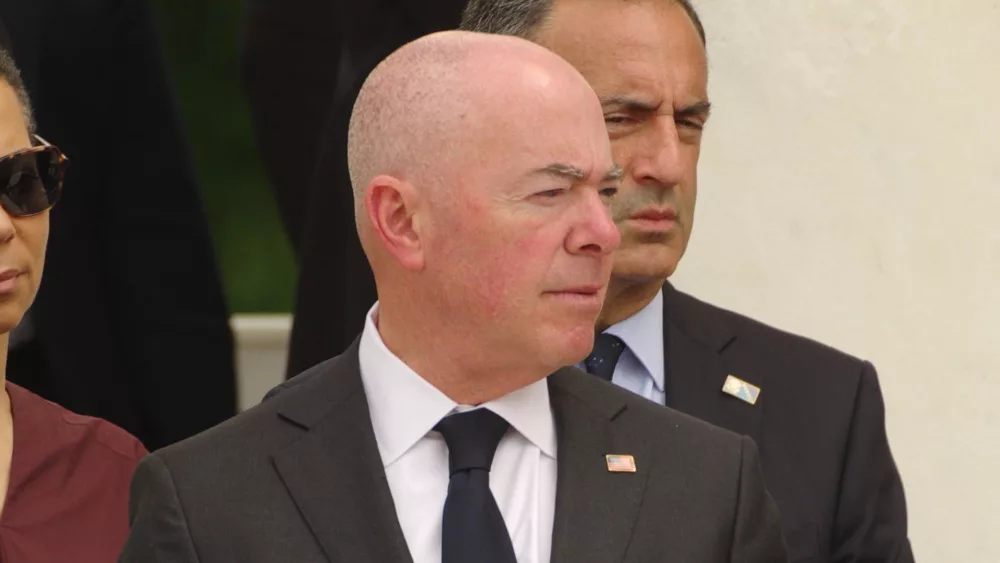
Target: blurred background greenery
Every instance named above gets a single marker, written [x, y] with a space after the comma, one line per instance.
[202, 43]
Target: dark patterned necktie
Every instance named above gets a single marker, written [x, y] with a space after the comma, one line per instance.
[604, 357]
[473, 530]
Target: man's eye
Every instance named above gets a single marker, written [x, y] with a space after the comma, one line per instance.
[548, 194]
[691, 124]
[616, 119]
[609, 191]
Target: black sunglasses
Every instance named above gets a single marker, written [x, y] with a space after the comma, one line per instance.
[31, 180]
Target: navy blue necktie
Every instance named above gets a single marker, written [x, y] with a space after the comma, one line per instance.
[473, 529]
[604, 357]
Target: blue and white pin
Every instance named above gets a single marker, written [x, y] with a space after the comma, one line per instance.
[740, 389]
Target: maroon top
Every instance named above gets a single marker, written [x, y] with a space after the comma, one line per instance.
[69, 479]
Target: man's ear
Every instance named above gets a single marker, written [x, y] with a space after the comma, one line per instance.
[390, 204]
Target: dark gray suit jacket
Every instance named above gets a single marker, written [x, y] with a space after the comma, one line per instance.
[819, 424]
[299, 478]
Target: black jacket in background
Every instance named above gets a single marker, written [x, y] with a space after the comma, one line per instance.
[130, 323]
[304, 62]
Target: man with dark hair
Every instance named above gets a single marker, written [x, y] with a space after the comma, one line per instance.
[523, 18]
[816, 413]
[130, 324]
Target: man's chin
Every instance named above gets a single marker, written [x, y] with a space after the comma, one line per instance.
[645, 263]
[639, 274]
[572, 344]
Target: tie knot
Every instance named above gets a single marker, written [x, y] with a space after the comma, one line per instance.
[472, 438]
[603, 358]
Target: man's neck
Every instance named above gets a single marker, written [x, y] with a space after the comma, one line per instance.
[624, 299]
[458, 372]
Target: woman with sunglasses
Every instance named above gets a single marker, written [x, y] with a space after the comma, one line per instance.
[63, 477]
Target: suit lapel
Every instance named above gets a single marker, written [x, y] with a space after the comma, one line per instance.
[694, 342]
[334, 471]
[595, 508]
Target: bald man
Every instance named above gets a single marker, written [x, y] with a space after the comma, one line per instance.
[448, 432]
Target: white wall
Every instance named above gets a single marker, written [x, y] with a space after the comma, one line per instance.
[261, 351]
[850, 191]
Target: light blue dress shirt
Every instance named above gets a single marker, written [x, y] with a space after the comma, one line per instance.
[640, 368]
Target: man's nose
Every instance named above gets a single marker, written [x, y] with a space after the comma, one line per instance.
[659, 158]
[595, 231]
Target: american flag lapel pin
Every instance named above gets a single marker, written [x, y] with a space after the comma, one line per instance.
[618, 463]
[740, 389]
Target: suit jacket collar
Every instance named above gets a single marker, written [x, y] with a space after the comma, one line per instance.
[595, 508]
[334, 471]
[696, 337]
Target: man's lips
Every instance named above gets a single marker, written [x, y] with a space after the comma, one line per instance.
[653, 220]
[590, 296]
[581, 290]
[665, 214]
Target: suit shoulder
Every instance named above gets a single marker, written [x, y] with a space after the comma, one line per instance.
[685, 444]
[642, 416]
[254, 430]
[661, 421]
[304, 378]
[779, 343]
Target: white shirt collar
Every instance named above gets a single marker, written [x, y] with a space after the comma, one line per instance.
[643, 334]
[404, 407]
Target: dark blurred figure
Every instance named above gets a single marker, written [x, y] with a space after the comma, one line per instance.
[130, 323]
[303, 64]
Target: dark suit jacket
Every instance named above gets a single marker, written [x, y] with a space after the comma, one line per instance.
[303, 64]
[299, 478]
[819, 423]
[130, 323]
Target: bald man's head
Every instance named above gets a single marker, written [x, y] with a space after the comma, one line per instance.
[427, 108]
[482, 172]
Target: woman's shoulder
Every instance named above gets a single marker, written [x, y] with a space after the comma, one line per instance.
[65, 429]
[69, 479]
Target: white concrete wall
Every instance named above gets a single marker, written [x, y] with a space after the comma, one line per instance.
[261, 351]
[850, 191]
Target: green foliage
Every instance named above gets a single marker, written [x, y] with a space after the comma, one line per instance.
[201, 39]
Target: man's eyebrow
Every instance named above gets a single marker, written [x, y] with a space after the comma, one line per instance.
[578, 174]
[629, 103]
[699, 108]
[560, 170]
[702, 109]
[614, 174]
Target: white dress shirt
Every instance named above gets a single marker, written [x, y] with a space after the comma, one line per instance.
[405, 408]
[640, 369]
